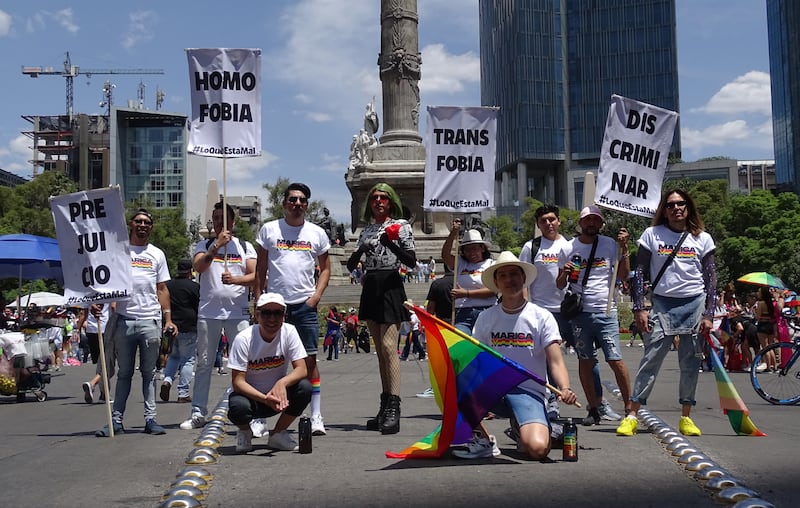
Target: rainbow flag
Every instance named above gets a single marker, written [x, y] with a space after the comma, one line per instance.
[468, 379]
[732, 405]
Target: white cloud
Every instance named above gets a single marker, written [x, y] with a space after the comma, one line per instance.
[140, 28]
[64, 18]
[322, 55]
[714, 135]
[734, 138]
[5, 23]
[34, 22]
[443, 72]
[15, 155]
[318, 117]
[749, 93]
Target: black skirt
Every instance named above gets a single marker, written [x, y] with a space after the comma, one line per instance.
[382, 297]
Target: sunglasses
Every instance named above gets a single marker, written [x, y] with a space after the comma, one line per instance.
[142, 221]
[674, 204]
[380, 197]
[294, 199]
[271, 313]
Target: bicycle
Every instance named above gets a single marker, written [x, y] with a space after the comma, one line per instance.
[781, 387]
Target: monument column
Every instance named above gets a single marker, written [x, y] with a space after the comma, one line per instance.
[399, 157]
[399, 63]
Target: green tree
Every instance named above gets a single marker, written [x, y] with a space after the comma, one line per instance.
[274, 206]
[503, 233]
[170, 233]
[26, 208]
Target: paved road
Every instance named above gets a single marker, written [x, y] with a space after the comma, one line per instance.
[50, 457]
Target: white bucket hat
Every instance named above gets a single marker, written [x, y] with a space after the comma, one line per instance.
[507, 258]
[473, 236]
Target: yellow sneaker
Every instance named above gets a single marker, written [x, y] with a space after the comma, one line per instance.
[628, 426]
[687, 427]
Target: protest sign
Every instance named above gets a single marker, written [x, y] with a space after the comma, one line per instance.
[94, 246]
[225, 85]
[459, 162]
[633, 157]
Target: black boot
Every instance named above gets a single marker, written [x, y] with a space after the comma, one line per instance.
[375, 423]
[391, 416]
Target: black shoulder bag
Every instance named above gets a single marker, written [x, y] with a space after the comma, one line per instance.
[572, 305]
[667, 262]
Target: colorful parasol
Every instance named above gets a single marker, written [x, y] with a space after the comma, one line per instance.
[762, 279]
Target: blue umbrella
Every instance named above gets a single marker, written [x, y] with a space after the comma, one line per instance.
[30, 257]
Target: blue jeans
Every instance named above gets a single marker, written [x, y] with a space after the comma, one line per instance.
[130, 335]
[305, 319]
[184, 349]
[597, 329]
[466, 317]
[670, 317]
[524, 406]
[209, 332]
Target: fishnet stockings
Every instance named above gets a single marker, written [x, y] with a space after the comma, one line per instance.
[385, 336]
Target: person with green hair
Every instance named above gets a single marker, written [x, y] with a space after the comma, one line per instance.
[385, 243]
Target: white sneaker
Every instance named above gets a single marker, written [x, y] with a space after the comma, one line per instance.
[244, 442]
[761, 367]
[282, 441]
[88, 392]
[258, 426]
[197, 421]
[480, 447]
[317, 427]
[427, 394]
[607, 412]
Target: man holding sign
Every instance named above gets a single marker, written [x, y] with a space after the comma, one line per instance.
[139, 323]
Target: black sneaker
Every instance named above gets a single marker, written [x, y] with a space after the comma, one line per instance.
[152, 427]
[593, 418]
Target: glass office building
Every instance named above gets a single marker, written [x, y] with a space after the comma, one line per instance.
[552, 66]
[150, 161]
[783, 26]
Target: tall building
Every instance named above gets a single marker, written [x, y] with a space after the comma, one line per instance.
[552, 66]
[783, 31]
[149, 161]
[142, 151]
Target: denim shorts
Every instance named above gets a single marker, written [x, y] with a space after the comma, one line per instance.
[305, 319]
[600, 329]
[526, 408]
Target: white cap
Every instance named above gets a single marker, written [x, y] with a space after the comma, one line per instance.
[270, 298]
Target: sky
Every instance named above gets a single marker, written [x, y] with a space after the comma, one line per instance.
[319, 67]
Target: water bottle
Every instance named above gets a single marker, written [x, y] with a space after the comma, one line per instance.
[304, 433]
[570, 448]
[576, 268]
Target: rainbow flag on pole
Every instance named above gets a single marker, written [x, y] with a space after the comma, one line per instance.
[468, 379]
[732, 405]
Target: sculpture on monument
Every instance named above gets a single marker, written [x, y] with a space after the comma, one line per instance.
[327, 224]
[365, 139]
[399, 157]
[371, 122]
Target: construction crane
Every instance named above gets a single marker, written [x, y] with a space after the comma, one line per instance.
[70, 71]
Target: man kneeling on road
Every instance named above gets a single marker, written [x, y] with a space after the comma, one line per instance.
[263, 386]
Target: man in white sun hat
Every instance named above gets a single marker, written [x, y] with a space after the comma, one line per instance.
[536, 346]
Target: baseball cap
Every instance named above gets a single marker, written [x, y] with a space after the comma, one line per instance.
[184, 266]
[591, 210]
[270, 298]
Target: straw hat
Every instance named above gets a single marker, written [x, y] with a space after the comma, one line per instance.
[473, 236]
[507, 258]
